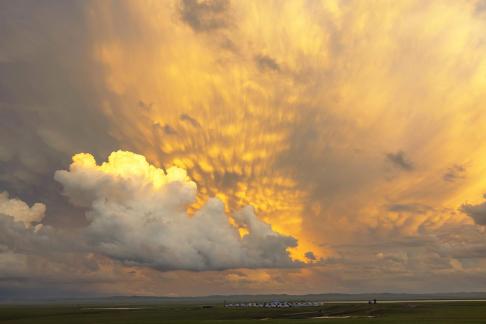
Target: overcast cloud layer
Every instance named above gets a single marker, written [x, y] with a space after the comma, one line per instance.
[354, 129]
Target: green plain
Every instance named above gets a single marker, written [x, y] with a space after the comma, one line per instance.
[404, 312]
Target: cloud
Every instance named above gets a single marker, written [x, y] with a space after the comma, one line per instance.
[305, 147]
[43, 262]
[49, 94]
[205, 15]
[20, 211]
[137, 214]
[409, 208]
[167, 129]
[400, 160]
[35, 257]
[476, 212]
[454, 173]
[265, 62]
[190, 120]
[227, 179]
[310, 256]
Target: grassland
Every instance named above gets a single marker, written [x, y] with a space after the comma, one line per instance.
[406, 312]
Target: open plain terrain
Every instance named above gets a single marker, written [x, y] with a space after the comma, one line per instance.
[347, 312]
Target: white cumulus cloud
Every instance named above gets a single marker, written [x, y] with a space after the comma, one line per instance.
[137, 214]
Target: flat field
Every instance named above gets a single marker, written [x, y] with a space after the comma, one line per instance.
[402, 312]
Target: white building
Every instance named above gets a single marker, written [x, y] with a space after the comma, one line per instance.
[277, 304]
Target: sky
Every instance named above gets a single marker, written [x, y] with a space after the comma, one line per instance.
[198, 147]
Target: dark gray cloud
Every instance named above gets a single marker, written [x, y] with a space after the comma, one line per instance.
[166, 129]
[204, 16]
[145, 106]
[227, 179]
[190, 120]
[476, 212]
[409, 208]
[400, 160]
[49, 99]
[454, 173]
[265, 63]
[44, 263]
[169, 130]
[310, 256]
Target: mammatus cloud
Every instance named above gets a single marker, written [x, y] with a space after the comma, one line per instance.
[288, 106]
[454, 173]
[408, 208]
[206, 15]
[400, 160]
[20, 211]
[190, 120]
[476, 212]
[137, 214]
[265, 62]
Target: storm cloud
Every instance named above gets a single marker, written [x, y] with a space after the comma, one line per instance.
[353, 128]
[476, 212]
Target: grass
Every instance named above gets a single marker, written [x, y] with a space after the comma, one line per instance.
[409, 312]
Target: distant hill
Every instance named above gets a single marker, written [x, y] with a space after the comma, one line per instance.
[215, 299]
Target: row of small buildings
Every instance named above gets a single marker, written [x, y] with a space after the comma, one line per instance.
[276, 304]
